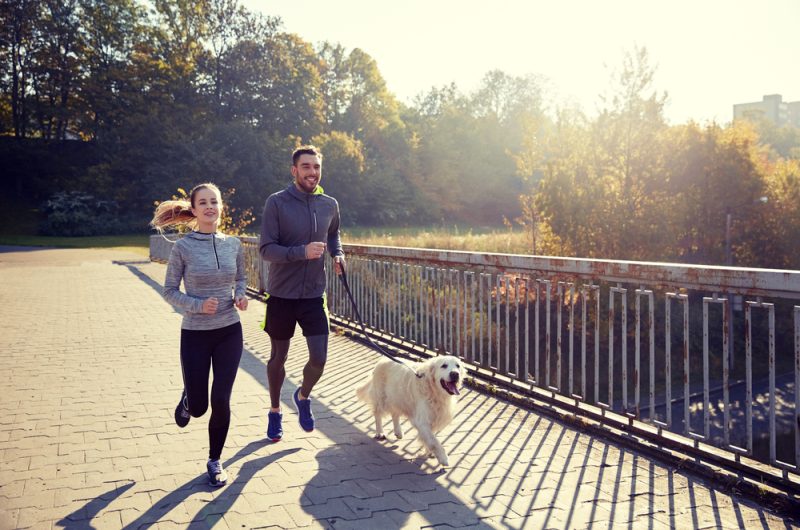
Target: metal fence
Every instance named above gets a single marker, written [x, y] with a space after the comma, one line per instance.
[706, 357]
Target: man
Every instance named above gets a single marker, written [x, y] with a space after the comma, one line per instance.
[296, 225]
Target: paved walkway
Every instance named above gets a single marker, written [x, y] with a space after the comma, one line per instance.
[88, 351]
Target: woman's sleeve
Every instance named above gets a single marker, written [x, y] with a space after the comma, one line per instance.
[172, 282]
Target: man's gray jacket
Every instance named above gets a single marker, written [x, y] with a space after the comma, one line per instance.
[291, 220]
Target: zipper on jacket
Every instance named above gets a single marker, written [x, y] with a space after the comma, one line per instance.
[313, 213]
[214, 244]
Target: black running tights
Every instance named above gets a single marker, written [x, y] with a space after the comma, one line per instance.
[200, 351]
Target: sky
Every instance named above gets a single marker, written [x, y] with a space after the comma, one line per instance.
[708, 54]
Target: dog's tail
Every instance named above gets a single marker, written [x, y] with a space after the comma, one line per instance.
[363, 392]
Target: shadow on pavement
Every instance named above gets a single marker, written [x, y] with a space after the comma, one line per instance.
[511, 468]
[217, 508]
[89, 511]
[367, 481]
[355, 454]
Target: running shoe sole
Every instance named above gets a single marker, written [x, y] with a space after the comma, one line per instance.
[182, 412]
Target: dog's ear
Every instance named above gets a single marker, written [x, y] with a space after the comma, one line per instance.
[430, 367]
[460, 364]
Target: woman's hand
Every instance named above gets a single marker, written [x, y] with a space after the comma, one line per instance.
[241, 303]
[210, 305]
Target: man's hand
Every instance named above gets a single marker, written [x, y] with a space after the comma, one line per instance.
[210, 305]
[338, 265]
[315, 250]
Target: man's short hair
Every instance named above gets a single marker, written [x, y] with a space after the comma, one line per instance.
[305, 150]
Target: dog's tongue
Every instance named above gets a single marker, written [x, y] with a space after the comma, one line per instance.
[452, 387]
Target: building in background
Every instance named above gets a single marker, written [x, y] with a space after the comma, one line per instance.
[771, 108]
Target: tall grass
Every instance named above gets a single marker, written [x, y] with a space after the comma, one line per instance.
[471, 240]
[20, 230]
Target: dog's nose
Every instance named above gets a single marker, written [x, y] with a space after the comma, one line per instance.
[454, 376]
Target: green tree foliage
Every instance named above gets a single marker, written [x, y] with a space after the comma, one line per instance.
[343, 171]
[571, 198]
[357, 99]
[628, 186]
[464, 146]
[168, 93]
[780, 233]
[114, 41]
[20, 23]
[627, 156]
[784, 140]
[713, 172]
[358, 104]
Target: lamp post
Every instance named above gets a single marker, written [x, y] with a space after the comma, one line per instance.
[728, 257]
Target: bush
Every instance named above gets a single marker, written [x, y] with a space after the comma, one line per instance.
[75, 213]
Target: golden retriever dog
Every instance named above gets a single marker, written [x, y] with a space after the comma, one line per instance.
[424, 395]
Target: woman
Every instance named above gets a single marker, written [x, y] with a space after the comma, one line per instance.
[211, 266]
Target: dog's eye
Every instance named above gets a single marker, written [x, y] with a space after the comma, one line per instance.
[444, 365]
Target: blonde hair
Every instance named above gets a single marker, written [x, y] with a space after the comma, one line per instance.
[178, 212]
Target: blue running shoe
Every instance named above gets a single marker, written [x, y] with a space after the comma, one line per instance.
[216, 475]
[274, 427]
[304, 411]
[182, 411]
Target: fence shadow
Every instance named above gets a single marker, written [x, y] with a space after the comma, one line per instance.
[511, 468]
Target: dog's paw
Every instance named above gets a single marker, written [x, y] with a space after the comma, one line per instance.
[380, 437]
[398, 435]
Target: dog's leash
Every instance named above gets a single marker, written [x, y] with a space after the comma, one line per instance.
[382, 351]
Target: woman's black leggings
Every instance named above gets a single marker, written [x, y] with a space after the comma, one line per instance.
[200, 350]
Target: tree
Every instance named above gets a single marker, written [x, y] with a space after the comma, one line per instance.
[232, 30]
[626, 135]
[58, 73]
[19, 20]
[784, 140]
[515, 103]
[571, 198]
[113, 31]
[343, 170]
[357, 99]
[726, 177]
[781, 228]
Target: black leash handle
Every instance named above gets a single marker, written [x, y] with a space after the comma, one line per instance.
[382, 351]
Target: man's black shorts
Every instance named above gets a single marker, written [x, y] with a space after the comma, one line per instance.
[283, 314]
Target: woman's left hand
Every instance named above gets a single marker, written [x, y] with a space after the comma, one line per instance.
[241, 303]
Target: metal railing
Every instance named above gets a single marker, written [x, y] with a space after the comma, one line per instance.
[704, 357]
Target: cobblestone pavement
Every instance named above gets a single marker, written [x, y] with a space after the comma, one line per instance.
[88, 350]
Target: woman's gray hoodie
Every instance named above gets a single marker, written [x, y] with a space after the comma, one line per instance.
[210, 265]
[291, 220]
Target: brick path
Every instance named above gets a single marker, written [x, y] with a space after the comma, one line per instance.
[88, 350]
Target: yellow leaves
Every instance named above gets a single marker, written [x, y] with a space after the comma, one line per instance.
[181, 196]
